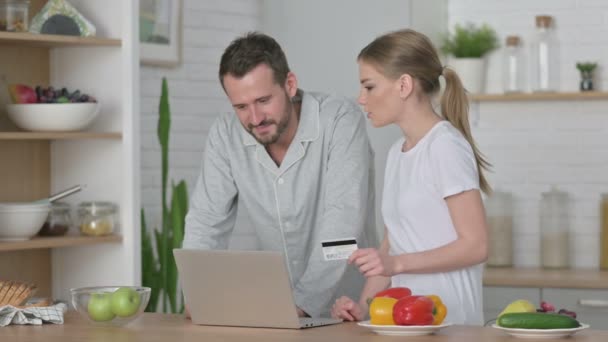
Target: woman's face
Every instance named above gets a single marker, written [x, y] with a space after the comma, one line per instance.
[379, 95]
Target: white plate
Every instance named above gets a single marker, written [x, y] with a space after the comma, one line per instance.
[403, 330]
[541, 333]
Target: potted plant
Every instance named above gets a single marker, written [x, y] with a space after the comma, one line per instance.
[586, 69]
[467, 45]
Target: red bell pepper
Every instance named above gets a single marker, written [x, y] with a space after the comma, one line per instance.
[413, 310]
[395, 292]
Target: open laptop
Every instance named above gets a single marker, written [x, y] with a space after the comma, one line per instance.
[240, 288]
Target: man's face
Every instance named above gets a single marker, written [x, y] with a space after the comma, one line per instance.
[263, 106]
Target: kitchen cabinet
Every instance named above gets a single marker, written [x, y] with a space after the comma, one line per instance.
[104, 158]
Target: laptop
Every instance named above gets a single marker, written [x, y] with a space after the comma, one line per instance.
[240, 288]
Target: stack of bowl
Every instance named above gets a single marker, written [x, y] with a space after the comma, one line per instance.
[22, 221]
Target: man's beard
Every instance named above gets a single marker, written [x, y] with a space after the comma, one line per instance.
[281, 126]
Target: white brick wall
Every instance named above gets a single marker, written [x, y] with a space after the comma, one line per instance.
[196, 97]
[534, 145]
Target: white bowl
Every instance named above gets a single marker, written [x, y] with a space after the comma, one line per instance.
[55, 117]
[22, 221]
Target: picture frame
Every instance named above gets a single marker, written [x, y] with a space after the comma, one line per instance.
[160, 32]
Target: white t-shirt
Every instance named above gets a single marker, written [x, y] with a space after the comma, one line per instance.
[417, 218]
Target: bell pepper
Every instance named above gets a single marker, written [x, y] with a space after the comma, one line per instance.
[395, 292]
[439, 310]
[381, 311]
[413, 310]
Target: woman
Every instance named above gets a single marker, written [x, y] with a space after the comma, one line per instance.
[435, 237]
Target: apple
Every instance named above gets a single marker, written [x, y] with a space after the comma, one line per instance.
[125, 302]
[20, 93]
[100, 307]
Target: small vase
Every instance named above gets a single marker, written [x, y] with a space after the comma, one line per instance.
[586, 81]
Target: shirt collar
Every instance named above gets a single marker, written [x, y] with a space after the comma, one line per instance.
[308, 127]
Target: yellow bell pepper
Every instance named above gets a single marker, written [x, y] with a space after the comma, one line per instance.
[440, 310]
[381, 311]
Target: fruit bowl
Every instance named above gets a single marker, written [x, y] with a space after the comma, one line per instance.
[52, 117]
[110, 305]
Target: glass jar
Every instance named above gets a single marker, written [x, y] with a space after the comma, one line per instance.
[554, 229]
[499, 213]
[97, 218]
[545, 55]
[14, 15]
[604, 232]
[58, 222]
[513, 69]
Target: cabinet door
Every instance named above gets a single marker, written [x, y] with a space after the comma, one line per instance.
[591, 306]
[495, 298]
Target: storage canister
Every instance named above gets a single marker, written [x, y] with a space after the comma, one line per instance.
[554, 229]
[97, 218]
[499, 213]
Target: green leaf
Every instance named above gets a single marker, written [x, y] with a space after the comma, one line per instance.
[149, 266]
[470, 41]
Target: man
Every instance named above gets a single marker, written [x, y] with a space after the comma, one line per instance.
[299, 163]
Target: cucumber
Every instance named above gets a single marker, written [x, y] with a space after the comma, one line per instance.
[537, 320]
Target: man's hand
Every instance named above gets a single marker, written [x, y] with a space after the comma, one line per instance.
[372, 262]
[345, 308]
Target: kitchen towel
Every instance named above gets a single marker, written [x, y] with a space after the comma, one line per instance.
[33, 315]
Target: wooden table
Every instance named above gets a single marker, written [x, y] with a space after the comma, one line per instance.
[175, 328]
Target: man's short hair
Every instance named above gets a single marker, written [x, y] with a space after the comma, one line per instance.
[248, 51]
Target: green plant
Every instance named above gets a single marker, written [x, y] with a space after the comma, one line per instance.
[470, 41]
[159, 271]
[586, 67]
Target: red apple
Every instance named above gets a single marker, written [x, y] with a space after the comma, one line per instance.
[21, 93]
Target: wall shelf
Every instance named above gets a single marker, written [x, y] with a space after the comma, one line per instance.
[59, 241]
[59, 135]
[51, 40]
[545, 278]
[591, 95]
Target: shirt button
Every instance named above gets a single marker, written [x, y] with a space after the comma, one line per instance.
[281, 181]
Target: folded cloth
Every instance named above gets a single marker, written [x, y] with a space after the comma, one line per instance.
[33, 315]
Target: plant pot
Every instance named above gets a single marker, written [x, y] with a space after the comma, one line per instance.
[472, 72]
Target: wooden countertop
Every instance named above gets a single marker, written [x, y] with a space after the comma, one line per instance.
[538, 277]
[158, 327]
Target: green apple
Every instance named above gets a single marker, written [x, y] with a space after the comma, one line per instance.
[125, 302]
[100, 307]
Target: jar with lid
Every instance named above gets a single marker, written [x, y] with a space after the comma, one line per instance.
[499, 213]
[545, 55]
[14, 15]
[97, 218]
[513, 66]
[59, 220]
[554, 229]
[604, 232]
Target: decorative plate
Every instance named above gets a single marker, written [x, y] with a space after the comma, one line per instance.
[541, 333]
[403, 330]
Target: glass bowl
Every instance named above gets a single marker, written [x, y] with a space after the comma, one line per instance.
[110, 305]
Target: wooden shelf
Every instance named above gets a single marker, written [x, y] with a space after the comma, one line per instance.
[55, 242]
[590, 95]
[59, 135]
[545, 278]
[52, 40]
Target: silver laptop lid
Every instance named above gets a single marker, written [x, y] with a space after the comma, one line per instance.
[237, 288]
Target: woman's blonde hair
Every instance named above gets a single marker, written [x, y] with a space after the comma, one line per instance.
[410, 52]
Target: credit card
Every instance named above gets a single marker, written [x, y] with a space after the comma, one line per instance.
[338, 249]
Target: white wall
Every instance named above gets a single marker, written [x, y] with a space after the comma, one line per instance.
[196, 97]
[534, 145]
[322, 39]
